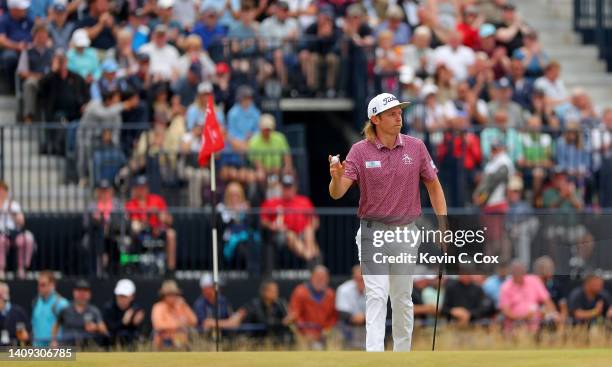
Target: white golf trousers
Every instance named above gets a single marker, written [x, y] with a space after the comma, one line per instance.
[378, 289]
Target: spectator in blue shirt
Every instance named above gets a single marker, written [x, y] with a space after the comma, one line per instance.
[14, 323]
[204, 306]
[108, 81]
[82, 59]
[572, 155]
[196, 113]
[211, 31]
[60, 28]
[395, 24]
[45, 309]
[15, 35]
[242, 119]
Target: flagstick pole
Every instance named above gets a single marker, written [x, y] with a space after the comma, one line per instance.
[213, 189]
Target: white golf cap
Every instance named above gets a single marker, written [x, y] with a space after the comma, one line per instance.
[125, 287]
[165, 4]
[383, 102]
[80, 38]
[18, 4]
[206, 280]
[428, 89]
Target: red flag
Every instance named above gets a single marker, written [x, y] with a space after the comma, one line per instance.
[212, 138]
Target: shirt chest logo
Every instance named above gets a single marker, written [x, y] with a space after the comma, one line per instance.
[407, 159]
[373, 164]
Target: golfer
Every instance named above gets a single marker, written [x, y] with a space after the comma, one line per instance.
[388, 167]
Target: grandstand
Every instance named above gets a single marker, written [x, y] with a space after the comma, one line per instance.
[102, 108]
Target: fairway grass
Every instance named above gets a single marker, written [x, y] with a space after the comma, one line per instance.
[521, 358]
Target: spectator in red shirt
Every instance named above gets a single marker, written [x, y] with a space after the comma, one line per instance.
[291, 219]
[149, 216]
[470, 26]
[312, 307]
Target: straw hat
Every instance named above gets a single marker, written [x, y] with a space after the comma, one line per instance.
[169, 287]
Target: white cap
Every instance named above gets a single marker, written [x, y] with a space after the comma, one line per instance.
[383, 102]
[205, 87]
[428, 89]
[125, 287]
[80, 38]
[165, 4]
[19, 4]
[206, 280]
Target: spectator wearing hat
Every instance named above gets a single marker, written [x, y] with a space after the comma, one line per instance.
[102, 223]
[15, 35]
[210, 31]
[312, 306]
[46, 307]
[268, 149]
[491, 191]
[581, 109]
[205, 307]
[34, 63]
[556, 285]
[242, 123]
[149, 216]
[108, 81]
[83, 59]
[164, 58]
[100, 25]
[14, 233]
[80, 324]
[196, 113]
[501, 99]
[60, 28]
[186, 88]
[172, 318]
[195, 54]
[512, 29]
[165, 16]
[430, 115]
[290, 220]
[123, 316]
[532, 56]
[319, 51]
[14, 322]
[394, 22]
[280, 33]
[498, 59]
[419, 55]
[561, 193]
[501, 132]
[455, 56]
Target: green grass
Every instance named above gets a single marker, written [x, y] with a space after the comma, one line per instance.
[522, 358]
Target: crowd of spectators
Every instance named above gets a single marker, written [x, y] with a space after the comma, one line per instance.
[511, 298]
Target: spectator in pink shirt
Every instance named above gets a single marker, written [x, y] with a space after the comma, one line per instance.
[522, 297]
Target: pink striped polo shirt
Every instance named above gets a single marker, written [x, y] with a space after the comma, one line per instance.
[389, 179]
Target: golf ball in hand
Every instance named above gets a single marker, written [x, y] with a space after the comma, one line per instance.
[335, 159]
